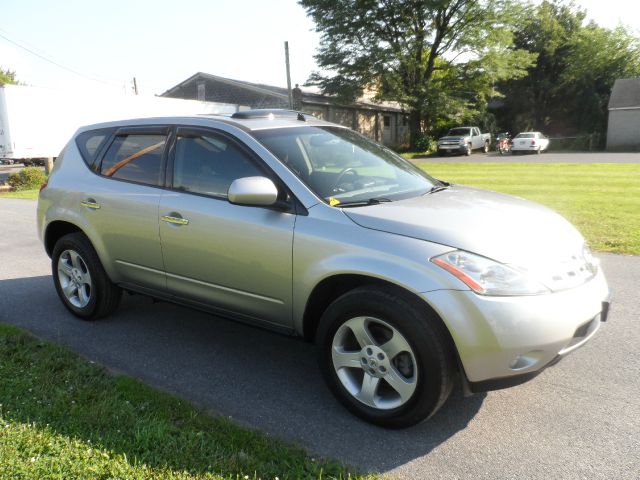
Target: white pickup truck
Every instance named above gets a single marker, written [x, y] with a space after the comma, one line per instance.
[463, 140]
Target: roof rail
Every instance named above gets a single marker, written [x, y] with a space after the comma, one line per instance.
[271, 113]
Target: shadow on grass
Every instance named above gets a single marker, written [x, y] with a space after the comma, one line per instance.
[260, 379]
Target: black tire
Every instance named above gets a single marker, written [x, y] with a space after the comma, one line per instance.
[429, 342]
[486, 147]
[441, 153]
[467, 152]
[104, 297]
[539, 151]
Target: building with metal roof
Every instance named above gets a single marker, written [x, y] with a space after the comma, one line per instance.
[385, 122]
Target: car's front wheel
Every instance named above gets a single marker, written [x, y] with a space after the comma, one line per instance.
[80, 280]
[384, 357]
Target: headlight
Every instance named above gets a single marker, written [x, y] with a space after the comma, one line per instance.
[486, 277]
[591, 262]
[462, 141]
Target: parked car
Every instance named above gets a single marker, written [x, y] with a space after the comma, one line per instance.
[407, 284]
[529, 142]
[463, 140]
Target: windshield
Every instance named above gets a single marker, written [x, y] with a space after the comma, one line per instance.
[342, 166]
[456, 132]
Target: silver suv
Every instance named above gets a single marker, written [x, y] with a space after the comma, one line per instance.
[407, 284]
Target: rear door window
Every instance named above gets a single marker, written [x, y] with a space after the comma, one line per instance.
[136, 158]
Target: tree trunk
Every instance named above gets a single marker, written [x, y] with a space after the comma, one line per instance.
[414, 127]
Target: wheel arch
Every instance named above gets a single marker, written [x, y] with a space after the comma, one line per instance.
[55, 231]
[330, 288]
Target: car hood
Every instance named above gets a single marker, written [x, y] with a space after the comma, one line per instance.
[501, 227]
[452, 139]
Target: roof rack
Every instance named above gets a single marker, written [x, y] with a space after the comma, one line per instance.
[271, 113]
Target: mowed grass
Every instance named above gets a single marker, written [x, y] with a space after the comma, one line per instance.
[601, 200]
[23, 194]
[63, 417]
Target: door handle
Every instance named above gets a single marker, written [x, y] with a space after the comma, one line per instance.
[90, 203]
[175, 220]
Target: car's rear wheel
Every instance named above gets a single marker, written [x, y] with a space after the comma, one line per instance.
[385, 358]
[80, 280]
[486, 147]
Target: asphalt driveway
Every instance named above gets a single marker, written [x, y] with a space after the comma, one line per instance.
[577, 420]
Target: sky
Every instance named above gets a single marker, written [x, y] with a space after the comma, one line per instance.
[92, 45]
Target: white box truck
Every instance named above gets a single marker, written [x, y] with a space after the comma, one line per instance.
[35, 123]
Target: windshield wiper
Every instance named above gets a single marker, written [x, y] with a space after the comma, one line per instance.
[363, 203]
[439, 188]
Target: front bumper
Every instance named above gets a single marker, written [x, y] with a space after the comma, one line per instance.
[452, 148]
[506, 341]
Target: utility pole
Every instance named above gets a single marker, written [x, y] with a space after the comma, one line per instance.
[286, 58]
[135, 86]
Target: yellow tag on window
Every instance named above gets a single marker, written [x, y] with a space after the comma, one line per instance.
[333, 201]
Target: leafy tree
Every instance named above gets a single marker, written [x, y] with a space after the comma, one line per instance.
[567, 90]
[597, 57]
[416, 52]
[7, 76]
[545, 30]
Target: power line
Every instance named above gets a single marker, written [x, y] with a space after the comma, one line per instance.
[53, 62]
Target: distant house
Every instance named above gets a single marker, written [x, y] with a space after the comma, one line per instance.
[384, 122]
[623, 132]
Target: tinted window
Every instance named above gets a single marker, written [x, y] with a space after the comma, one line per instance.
[137, 158]
[208, 164]
[89, 143]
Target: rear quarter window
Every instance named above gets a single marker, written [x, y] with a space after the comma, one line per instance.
[90, 143]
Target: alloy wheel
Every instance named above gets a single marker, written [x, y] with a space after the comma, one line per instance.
[74, 278]
[374, 362]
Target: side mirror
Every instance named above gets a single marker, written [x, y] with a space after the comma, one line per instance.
[259, 191]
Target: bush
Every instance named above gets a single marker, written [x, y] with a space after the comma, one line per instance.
[28, 178]
[425, 143]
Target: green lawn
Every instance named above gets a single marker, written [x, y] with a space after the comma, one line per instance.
[24, 194]
[601, 200]
[64, 417]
